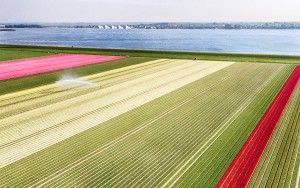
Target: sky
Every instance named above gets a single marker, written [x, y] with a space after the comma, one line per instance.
[148, 10]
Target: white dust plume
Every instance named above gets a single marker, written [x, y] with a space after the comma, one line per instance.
[69, 81]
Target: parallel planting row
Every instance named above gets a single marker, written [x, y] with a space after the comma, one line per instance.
[162, 123]
[38, 65]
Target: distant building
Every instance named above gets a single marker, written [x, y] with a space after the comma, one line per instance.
[106, 27]
[2, 26]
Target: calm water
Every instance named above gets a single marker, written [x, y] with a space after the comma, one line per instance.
[239, 41]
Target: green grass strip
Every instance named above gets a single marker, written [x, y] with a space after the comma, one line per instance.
[12, 54]
[160, 54]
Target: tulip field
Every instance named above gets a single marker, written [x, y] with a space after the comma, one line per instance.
[157, 122]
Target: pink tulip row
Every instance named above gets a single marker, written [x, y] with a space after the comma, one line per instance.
[33, 66]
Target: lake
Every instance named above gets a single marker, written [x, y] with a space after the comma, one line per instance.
[235, 41]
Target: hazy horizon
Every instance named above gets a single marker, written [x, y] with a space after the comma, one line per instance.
[132, 22]
[96, 11]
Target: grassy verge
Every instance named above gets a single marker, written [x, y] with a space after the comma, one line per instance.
[158, 54]
[10, 54]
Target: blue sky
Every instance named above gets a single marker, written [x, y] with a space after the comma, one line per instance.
[148, 10]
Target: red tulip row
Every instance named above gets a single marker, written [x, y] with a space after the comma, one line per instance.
[239, 172]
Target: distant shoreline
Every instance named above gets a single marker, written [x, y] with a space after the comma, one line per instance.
[7, 29]
[162, 25]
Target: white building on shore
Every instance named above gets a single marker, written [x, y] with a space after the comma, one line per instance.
[100, 27]
[106, 27]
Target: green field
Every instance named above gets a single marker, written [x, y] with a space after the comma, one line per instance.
[159, 119]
